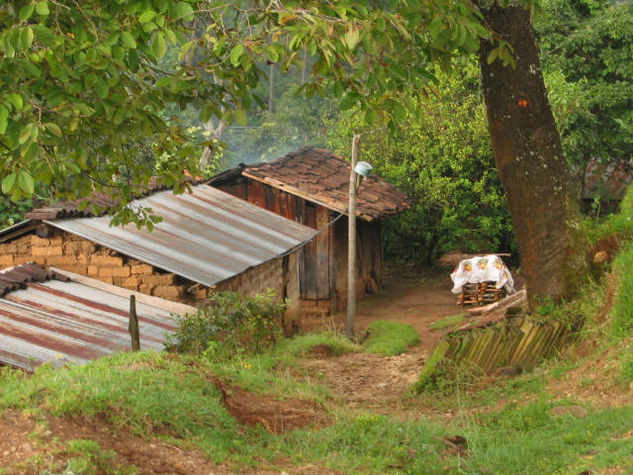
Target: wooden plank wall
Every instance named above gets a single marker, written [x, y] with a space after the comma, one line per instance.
[322, 263]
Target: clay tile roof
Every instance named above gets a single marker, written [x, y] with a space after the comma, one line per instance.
[17, 277]
[323, 177]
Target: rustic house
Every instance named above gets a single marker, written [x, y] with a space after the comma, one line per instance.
[311, 186]
[52, 316]
[207, 239]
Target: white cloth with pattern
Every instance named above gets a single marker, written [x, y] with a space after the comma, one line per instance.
[488, 268]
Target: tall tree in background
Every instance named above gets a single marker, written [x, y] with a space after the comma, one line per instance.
[529, 157]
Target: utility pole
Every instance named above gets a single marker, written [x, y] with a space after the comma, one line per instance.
[351, 242]
[271, 88]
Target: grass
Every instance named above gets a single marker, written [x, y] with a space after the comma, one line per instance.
[146, 392]
[390, 338]
[509, 426]
[448, 322]
[623, 305]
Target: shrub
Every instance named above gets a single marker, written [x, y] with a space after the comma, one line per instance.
[230, 325]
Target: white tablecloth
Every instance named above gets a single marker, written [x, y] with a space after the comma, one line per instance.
[488, 268]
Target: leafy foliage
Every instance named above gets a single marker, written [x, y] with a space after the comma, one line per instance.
[588, 62]
[443, 160]
[230, 325]
[81, 103]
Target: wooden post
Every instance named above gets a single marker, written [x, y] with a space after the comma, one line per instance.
[271, 88]
[133, 325]
[351, 243]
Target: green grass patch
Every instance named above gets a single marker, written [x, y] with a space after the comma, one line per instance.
[530, 440]
[137, 392]
[390, 338]
[447, 322]
[623, 304]
[276, 371]
[147, 393]
[302, 344]
[87, 457]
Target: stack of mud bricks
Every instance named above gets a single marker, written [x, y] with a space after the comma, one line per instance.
[75, 254]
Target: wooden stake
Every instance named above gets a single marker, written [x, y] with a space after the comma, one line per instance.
[133, 325]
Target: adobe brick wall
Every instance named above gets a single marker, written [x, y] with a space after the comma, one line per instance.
[75, 254]
[280, 275]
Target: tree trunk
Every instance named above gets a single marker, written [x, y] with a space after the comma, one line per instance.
[529, 156]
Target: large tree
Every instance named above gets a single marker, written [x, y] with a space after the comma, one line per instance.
[529, 157]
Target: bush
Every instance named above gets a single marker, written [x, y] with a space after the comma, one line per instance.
[230, 325]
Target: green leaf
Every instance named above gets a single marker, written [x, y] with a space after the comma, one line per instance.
[26, 11]
[349, 100]
[25, 182]
[25, 38]
[493, 55]
[128, 39]
[25, 134]
[147, 16]
[16, 100]
[236, 54]
[159, 46]
[351, 38]
[102, 88]
[4, 116]
[183, 11]
[31, 152]
[8, 183]
[41, 8]
[273, 55]
[43, 34]
[53, 128]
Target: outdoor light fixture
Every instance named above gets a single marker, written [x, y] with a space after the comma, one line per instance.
[363, 168]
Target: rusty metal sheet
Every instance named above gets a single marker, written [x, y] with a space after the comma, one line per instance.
[207, 236]
[69, 322]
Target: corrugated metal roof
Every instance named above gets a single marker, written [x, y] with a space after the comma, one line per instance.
[59, 322]
[207, 236]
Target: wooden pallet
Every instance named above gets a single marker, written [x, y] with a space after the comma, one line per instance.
[480, 294]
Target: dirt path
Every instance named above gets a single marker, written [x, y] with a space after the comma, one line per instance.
[417, 299]
[378, 383]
